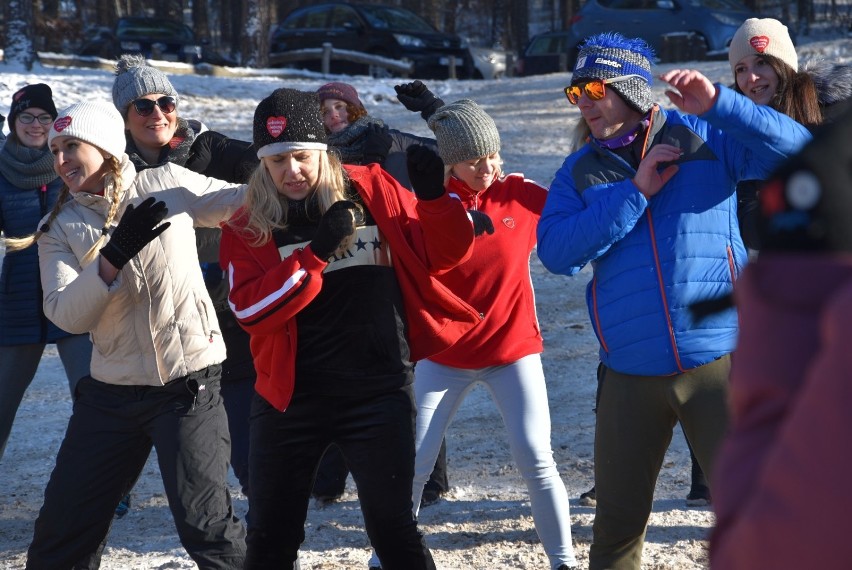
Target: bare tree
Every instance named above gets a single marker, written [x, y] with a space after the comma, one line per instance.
[255, 45]
[19, 48]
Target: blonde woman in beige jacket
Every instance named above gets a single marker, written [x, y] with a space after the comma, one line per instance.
[118, 260]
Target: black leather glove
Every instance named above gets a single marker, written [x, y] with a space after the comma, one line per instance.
[335, 226]
[138, 226]
[426, 172]
[482, 223]
[415, 96]
[377, 143]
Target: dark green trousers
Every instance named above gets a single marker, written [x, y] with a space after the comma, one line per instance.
[635, 420]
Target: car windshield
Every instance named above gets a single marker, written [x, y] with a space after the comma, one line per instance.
[395, 19]
[154, 29]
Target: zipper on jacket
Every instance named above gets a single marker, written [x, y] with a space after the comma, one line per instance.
[663, 298]
[597, 318]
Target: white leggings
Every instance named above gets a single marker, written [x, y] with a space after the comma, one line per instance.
[520, 393]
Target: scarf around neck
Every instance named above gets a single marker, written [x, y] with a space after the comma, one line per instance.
[176, 152]
[349, 143]
[26, 167]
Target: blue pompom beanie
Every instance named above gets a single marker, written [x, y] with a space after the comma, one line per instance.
[608, 55]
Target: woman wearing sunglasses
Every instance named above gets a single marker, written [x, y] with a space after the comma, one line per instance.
[114, 264]
[157, 135]
[650, 201]
[29, 188]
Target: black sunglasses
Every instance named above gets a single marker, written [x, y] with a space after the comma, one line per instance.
[145, 107]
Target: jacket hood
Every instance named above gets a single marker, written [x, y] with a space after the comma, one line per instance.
[833, 80]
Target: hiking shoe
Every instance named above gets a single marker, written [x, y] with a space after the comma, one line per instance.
[589, 499]
[699, 496]
[429, 498]
[123, 506]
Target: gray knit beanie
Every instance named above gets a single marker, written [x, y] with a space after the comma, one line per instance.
[464, 132]
[608, 55]
[134, 78]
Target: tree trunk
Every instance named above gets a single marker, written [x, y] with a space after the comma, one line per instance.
[255, 44]
[19, 48]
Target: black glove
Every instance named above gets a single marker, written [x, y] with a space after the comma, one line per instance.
[415, 96]
[337, 224]
[377, 143]
[138, 226]
[481, 222]
[426, 172]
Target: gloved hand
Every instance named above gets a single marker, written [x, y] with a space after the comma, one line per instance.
[481, 222]
[426, 172]
[415, 96]
[335, 226]
[377, 143]
[138, 226]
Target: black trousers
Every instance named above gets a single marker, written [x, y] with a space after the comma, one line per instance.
[109, 438]
[375, 434]
[332, 473]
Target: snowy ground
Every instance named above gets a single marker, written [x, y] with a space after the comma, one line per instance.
[485, 522]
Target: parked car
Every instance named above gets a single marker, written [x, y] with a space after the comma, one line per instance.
[387, 31]
[154, 38]
[704, 27]
[490, 63]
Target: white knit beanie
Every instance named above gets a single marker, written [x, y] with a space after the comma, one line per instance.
[763, 36]
[95, 122]
[464, 132]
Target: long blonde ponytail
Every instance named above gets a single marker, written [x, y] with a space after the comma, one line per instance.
[113, 190]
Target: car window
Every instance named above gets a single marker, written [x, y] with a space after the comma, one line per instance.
[155, 29]
[344, 17]
[628, 4]
[311, 18]
[389, 18]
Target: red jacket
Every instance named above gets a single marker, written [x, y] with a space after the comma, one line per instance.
[496, 279]
[781, 488]
[426, 237]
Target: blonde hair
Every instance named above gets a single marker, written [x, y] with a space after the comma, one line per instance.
[113, 190]
[448, 168]
[267, 209]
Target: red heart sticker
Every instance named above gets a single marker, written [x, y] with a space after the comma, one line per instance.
[276, 125]
[59, 125]
[759, 43]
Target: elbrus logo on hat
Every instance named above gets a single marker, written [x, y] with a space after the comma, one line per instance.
[762, 36]
[95, 122]
[608, 55]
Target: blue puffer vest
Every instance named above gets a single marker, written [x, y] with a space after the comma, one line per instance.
[22, 320]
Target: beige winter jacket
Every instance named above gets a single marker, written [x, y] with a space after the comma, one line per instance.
[155, 322]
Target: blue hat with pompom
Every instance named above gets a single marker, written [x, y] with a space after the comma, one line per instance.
[609, 55]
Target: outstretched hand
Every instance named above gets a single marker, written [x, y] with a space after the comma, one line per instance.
[695, 93]
[649, 178]
[415, 96]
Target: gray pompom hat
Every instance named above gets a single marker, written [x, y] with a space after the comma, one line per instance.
[464, 131]
[134, 78]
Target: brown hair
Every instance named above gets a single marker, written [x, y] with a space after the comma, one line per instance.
[797, 95]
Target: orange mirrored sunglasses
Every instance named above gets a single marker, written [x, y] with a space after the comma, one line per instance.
[594, 88]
